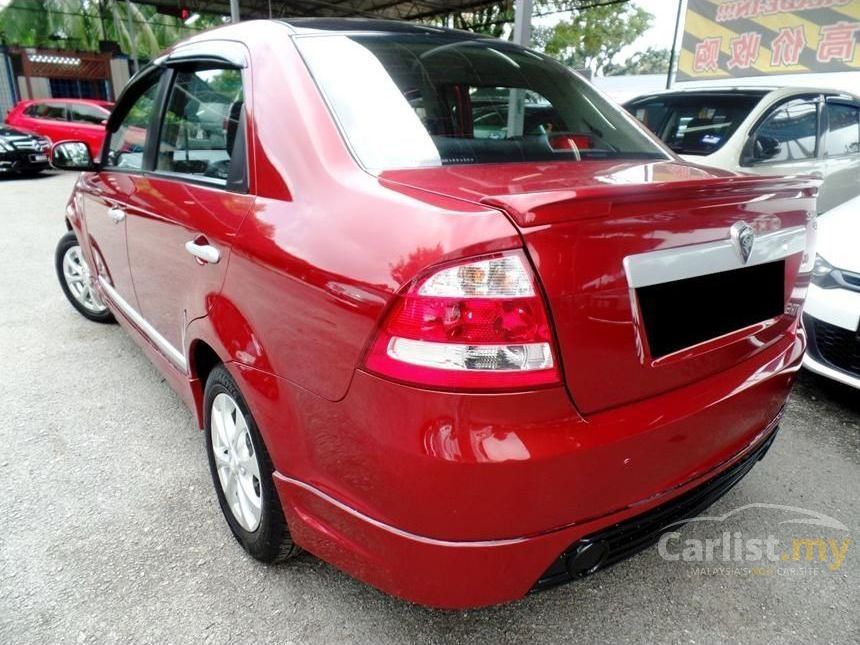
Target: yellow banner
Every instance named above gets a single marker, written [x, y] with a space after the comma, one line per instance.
[733, 38]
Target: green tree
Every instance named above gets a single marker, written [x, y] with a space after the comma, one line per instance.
[651, 61]
[81, 24]
[593, 37]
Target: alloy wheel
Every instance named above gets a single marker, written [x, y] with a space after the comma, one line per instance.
[236, 461]
[76, 273]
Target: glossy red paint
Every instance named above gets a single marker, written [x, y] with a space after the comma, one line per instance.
[580, 224]
[452, 499]
[65, 124]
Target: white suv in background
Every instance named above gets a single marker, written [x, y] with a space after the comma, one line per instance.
[831, 315]
[766, 131]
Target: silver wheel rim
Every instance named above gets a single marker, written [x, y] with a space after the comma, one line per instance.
[76, 272]
[236, 462]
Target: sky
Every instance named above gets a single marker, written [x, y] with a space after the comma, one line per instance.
[660, 35]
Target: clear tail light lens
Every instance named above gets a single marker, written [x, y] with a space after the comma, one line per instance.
[477, 325]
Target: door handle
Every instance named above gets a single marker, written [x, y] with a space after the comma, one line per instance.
[116, 214]
[206, 253]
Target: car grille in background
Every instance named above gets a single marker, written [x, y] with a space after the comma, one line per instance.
[851, 280]
[838, 346]
[686, 312]
[26, 144]
[638, 533]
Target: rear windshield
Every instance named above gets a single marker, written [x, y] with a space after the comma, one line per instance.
[414, 100]
[694, 124]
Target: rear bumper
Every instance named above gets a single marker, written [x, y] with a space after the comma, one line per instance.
[457, 575]
[628, 537]
[461, 501]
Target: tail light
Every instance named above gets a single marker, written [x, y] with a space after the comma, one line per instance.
[477, 325]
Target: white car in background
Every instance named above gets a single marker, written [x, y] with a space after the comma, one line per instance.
[831, 315]
[765, 131]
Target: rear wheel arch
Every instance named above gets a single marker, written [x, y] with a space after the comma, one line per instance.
[202, 359]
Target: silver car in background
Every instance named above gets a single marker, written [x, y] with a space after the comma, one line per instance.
[763, 130]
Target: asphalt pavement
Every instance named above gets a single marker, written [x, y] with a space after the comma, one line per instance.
[110, 531]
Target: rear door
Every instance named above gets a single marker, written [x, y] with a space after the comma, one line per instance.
[110, 193]
[841, 147]
[188, 207]
[88, 125]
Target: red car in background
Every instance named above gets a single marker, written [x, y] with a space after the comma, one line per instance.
[459, 357]
[64, 120]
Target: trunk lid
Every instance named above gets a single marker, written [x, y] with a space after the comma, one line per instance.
[646, 288]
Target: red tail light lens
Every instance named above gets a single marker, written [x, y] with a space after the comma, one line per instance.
[477, 325]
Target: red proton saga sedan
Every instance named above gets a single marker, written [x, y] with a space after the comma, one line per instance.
[450, 320]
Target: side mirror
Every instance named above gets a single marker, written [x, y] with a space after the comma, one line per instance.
[72, 155]
[765, 147]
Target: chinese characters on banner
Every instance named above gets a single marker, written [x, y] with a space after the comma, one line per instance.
[726, 38]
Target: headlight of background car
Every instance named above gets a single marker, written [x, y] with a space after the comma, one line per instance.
[5, 147]
[822, 273]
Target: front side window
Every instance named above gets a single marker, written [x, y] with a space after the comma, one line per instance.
[843, 130]
[695, 124]
[200, 126]
[789, 133]
[127, 143]
[51, 111]
[415, 100]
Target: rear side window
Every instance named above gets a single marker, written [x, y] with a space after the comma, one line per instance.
[414, 100]
[200, 128]
[82, 113]
[695, 124]
[127, 143]
[49, 111]
[843, 130]
[792, 128]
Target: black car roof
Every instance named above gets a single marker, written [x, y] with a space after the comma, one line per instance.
[377, 25]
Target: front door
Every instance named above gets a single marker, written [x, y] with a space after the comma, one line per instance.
[841, 153]
[109, 192]
[189, 206]
[49, 118]
[787, 141]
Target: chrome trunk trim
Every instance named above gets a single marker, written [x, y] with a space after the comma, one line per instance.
[680, 263]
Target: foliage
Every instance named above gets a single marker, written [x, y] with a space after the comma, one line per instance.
[491, 20]
[591, 38]
[81, 24]
[593, 34]
[651, 61]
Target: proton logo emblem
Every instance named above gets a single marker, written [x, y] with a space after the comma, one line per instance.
[743, 238]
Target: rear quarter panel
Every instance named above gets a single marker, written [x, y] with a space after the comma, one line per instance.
[325, 246]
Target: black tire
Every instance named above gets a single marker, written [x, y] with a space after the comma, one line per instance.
[67, 242]
[270, 542]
